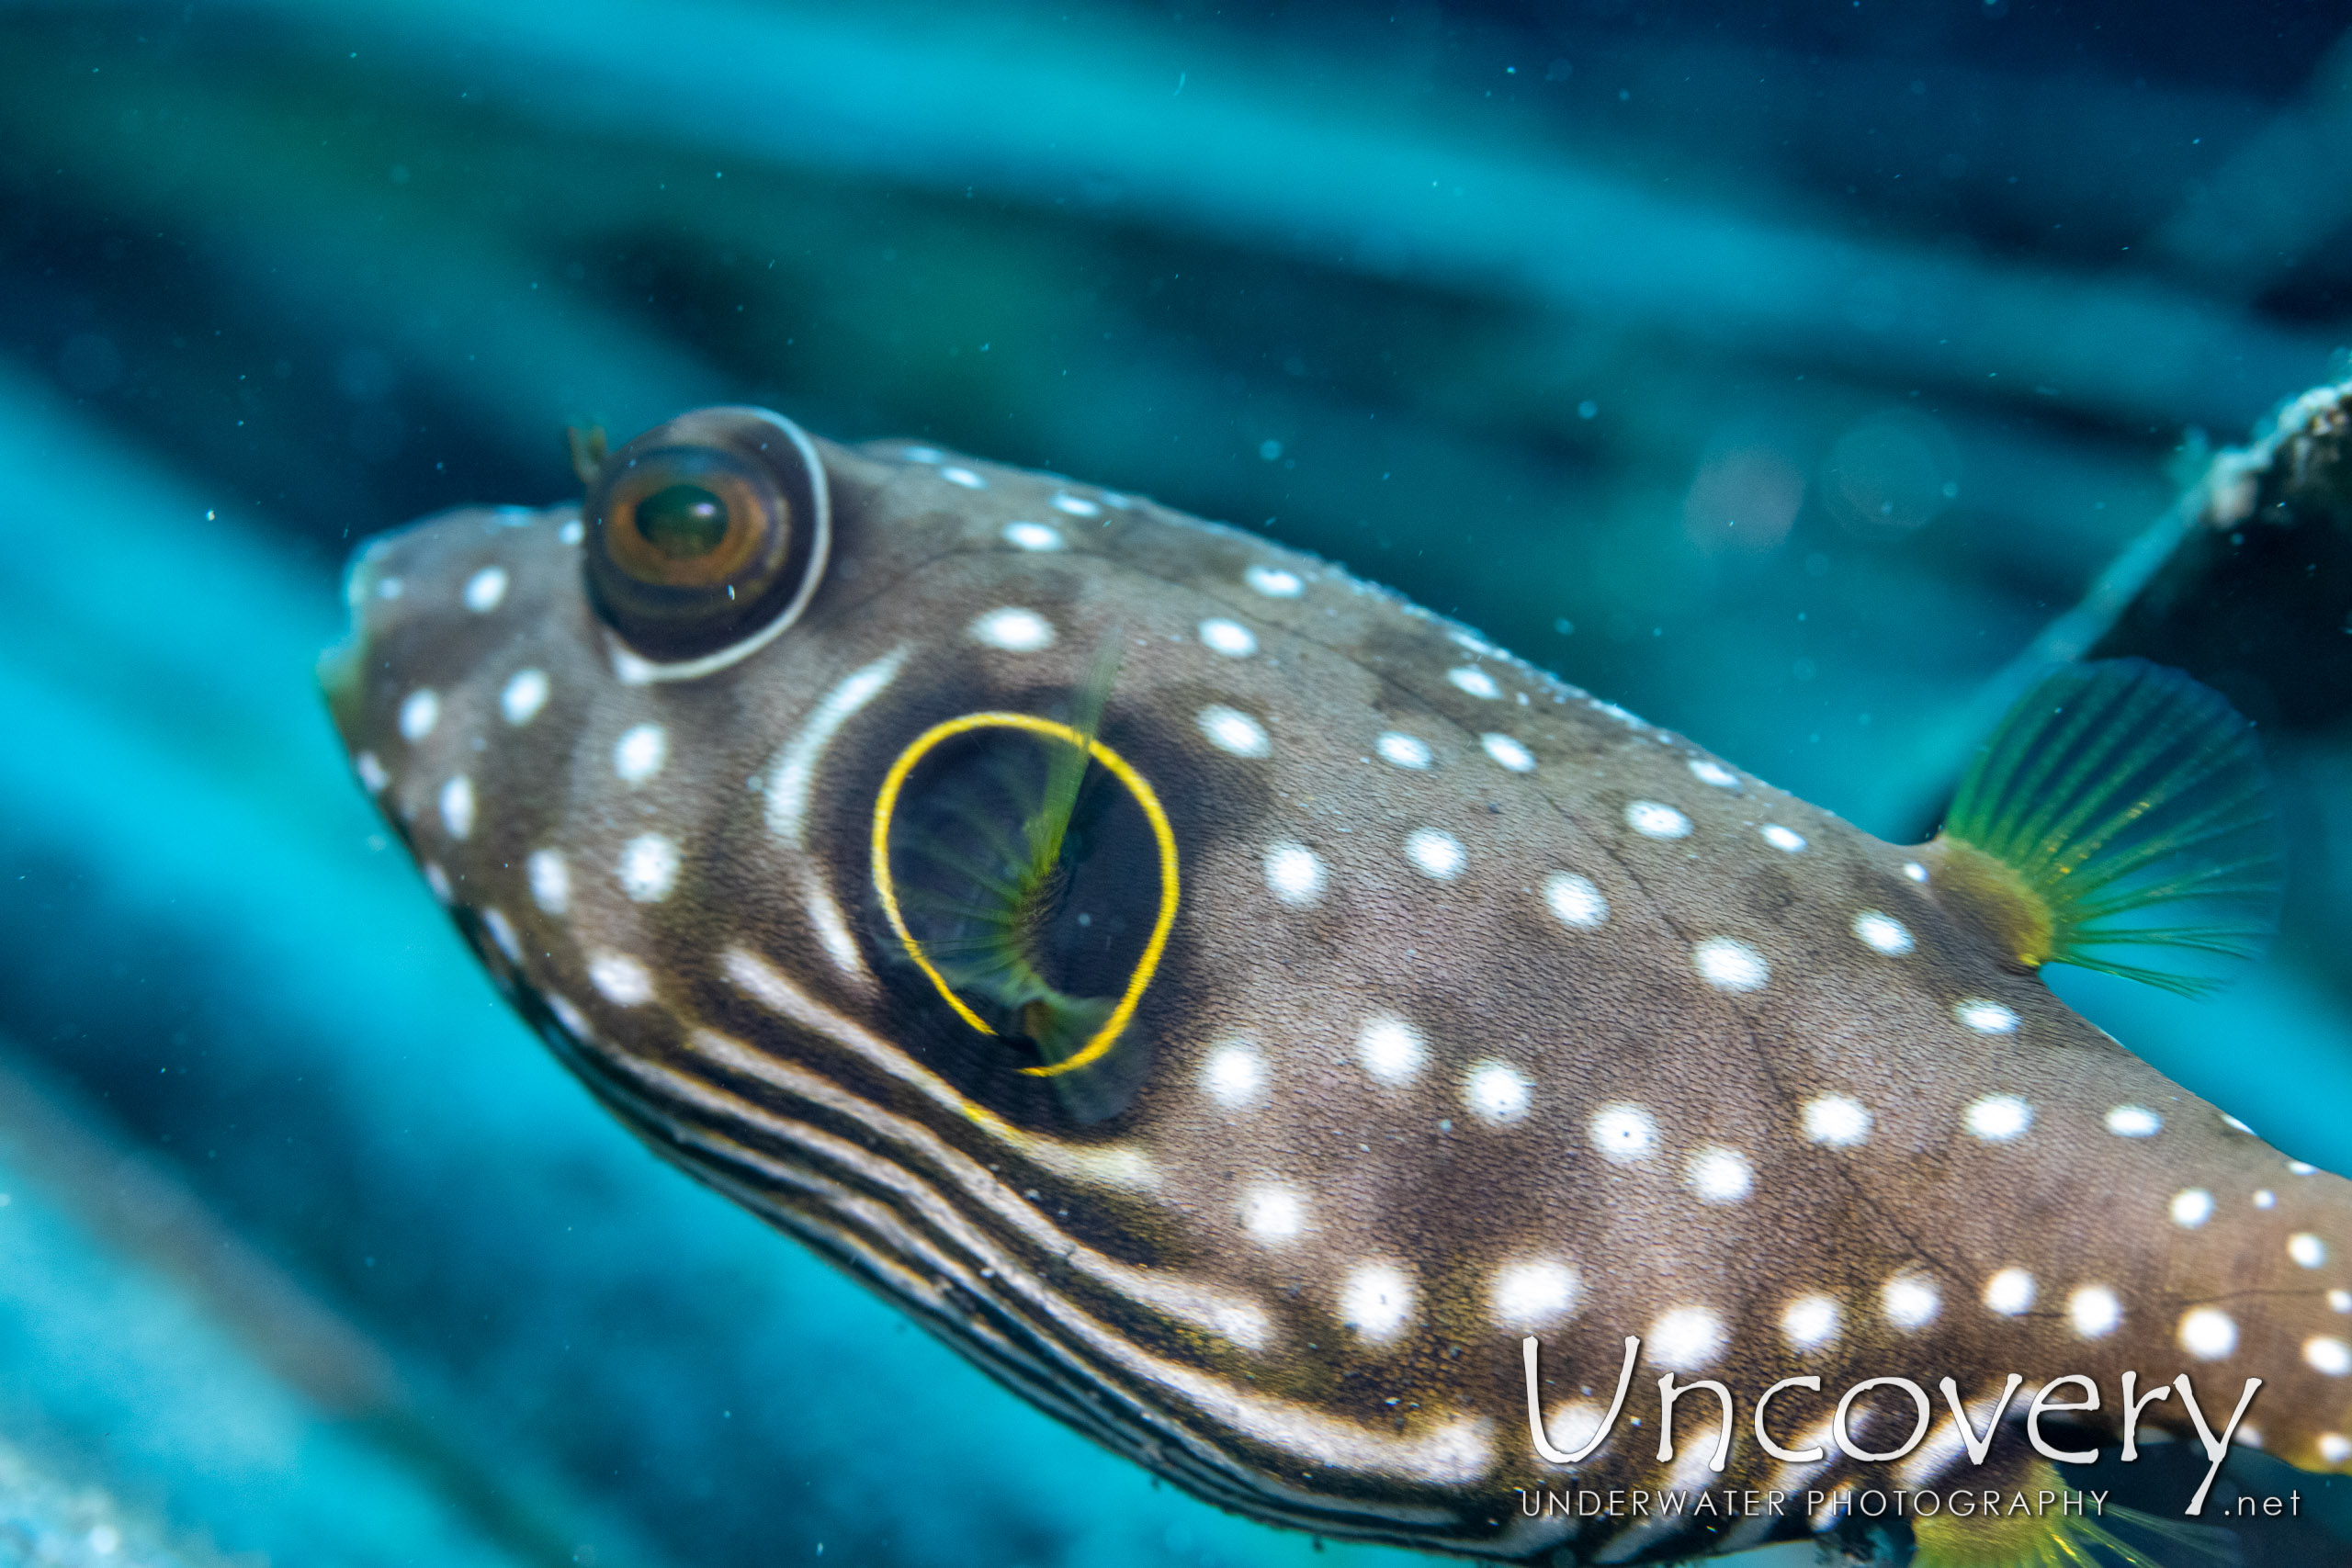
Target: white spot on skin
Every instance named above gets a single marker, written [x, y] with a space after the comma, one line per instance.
[2306, 1249]
[1376, 1300]
[371, 772]
[1230, 637]
[1076, 505]
[1273, 1214]
[1475, 682]
[526, 694]
[389, 588]
[2266, 1198]
[419, 713]
[1497, 1093]
[2208, 1333]
[485, 589]
[1811, 1322]
[1653, 820]
[963, 477]
[1882, 933]
[2339, 1301]
[1985, 1018]
[1013, 630]
[2191, 1208]
[1390, 1049]
[2010, 1292]
[1709, 772]
[2094, 1311]
[2134, 1122]
[1911, 1302]
[1508, 752]
[2240, 1126]
[1624, 1133]
[2298, 1167]
[438, 880]
[620, 979]
[572, 532]
[1685, 1338]
[1786, 840]
[1294, 876]
[1575, 901]
[923, 453]
[1720, 1175]
[1914, 871]
[1234, 1075]
[1274, 581]
[1032, 537]
[1534, 1294]
[1402, 751]
[638, 755]
[502, 931]
[551, 881]
[458, 807]
[1229, 729]
[1435, 855]
[2335, 1447]
[648, 868]
[2000, 1118]
[2326, 1355]
[1730, 966]
[1838, 1120]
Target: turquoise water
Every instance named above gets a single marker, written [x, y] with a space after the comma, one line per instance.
[313, 1252]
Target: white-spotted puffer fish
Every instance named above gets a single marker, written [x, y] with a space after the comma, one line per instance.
[1351, 1072]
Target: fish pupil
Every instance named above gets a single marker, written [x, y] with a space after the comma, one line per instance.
[683, 520]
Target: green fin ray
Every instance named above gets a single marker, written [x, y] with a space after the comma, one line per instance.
[2132, 806]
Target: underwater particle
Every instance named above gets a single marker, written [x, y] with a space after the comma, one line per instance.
[524, 696]
[1034, 536]
[1743, 497]
[419, 713]
[1624, 1133]
[1274, 581]
[1014, 631]
[1234, 1075]
[2134, 1122]
[1985, 1018]
[1810, 1322]
[1533, 1293]
[2208, 1333]
[1685, 1338]
[89, 364]
[485, 590]
[1839, 1121]
[1273, 1214]
[1438, 856]
[1229, 729]
[1730, 966]
[1709, 772]
[1786, 840]
[1270, 450]
[2009, 1292]
[1718, 1175]
[2094, 1311]
[1882, 933]
[1402, 751]
[1653, 819]
[1474, 680]
[620, 979]
[2000, 1118]
[1230, 637]
[1575, 901]
[551, 881]
[1910, 1301]
[2307, 1250]
[1376, 1300]
[1293, 874]
[457, 805]
[638, 755]
[1886, 477]
[648, 868]
[1391, 1049]
[1498, 1093]
[2324, 1354]
[2191, 1208]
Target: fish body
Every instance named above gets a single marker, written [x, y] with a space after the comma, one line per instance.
[1488, 1027]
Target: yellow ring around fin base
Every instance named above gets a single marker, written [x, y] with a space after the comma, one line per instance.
[886, 804]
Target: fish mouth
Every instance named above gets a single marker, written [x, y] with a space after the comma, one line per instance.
[342, 668]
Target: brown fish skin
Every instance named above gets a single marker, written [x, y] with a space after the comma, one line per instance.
[1489, 1010]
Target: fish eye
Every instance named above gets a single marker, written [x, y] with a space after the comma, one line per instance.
[706, 532]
